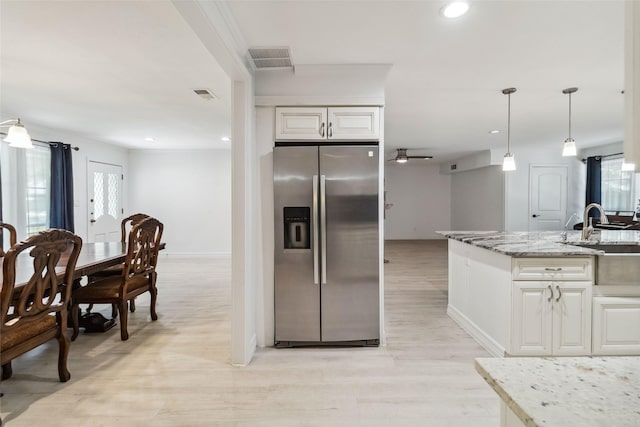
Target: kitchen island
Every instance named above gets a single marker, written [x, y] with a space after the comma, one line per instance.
[568, 391]
[532, 294]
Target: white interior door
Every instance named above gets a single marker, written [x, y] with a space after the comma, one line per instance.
[105, 201]
[547, 197]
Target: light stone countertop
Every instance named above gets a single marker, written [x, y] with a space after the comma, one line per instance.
[543, 243]
[567, 391]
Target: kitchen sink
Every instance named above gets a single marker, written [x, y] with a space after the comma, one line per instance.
[611, 249]
[620, 264]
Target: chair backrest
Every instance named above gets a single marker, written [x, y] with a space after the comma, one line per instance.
[12, 236]
[130, 221]
[142, 247]
[38, 297]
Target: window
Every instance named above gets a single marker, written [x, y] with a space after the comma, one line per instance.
[26, 182]
[620, 189]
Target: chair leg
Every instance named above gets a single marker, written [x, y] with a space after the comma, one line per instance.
[64, 343]
[154, 296]
[75, 313]
[114, 311]
[132, 305]
[7, 371]
[122, 308]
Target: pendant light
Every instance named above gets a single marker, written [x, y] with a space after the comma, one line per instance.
[509, 163]
[17, 136]
[569, 148]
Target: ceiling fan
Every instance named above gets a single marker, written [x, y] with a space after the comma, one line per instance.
[402, 157]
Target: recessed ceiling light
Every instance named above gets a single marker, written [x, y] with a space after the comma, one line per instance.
[454, 9]
[149, 139]
[494, 131]
[225, 139]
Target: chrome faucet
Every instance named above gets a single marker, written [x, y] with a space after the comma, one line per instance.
[587, 230]
[566, 226]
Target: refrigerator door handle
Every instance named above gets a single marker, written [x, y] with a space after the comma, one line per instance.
[323, 228]
[316, 277]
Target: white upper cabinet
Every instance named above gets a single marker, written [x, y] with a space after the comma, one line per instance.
[301, 123]
[361, 123]
[333, 123]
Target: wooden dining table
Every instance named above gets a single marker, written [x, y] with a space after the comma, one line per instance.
[93, 257]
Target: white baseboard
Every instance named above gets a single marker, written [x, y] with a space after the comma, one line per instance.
[489, 344]
[216, 255]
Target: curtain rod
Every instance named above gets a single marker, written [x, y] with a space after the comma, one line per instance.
[607, 155]
[52, 144]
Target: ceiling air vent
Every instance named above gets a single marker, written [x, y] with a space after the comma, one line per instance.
[205, 94]
[269, 58]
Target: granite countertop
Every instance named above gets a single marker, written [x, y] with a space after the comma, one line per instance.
[567, 391]
[543, 243]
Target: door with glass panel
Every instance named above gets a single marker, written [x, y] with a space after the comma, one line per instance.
[105, 202]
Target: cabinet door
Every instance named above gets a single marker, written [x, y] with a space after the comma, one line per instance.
[354, 123]
[571, 319]
[615, 326]
[301, 123]
[531, 319]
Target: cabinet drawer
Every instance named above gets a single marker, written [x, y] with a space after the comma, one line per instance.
[552, 269]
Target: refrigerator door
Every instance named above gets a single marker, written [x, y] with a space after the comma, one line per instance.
[350, 249]
[297, 297]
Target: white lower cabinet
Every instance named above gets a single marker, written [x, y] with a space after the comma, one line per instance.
[616, 328]
[551, 318]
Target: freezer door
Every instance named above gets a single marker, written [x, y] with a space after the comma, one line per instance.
[349, 251]
[297, 297]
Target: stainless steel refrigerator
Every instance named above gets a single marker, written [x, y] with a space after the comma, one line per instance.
[326, 245]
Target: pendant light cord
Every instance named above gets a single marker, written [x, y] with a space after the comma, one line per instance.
[569, 115]
[509, 124]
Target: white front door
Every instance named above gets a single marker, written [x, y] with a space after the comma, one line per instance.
[547, 197]
[105, 201]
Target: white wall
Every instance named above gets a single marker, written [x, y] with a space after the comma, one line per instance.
[189, 192]
[88, 150]
[477, 199]
[517, 183]
[421, 198]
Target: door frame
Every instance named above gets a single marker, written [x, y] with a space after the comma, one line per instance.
[89, 181]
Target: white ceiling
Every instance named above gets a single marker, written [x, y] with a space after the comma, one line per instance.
[112, 71]
[119, 71]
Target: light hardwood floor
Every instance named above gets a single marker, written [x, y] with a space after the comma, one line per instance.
[176, 371]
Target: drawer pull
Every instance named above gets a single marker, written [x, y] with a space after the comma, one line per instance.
[559, 293]
[553, 269]
[551, 296]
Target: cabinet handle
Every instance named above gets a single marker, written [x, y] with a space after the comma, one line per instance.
[330, 129]
[553, 269]
[322, 130]
[550, 297]
[559, 293]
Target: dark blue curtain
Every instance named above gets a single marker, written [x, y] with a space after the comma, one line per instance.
[594, 184]
[61, 215]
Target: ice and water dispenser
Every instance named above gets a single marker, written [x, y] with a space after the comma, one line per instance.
[297, 228]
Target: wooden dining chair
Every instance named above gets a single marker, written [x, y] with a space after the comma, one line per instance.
[12, 236]
[36, 312]
[138, 276]
[116, 270]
